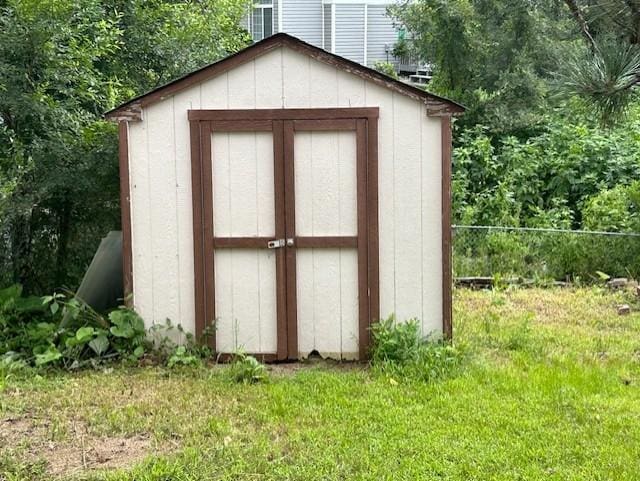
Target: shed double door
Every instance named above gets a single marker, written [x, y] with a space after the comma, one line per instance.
[284, 261]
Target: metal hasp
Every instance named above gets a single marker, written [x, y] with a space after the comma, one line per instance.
[276, 243]
[290, 242]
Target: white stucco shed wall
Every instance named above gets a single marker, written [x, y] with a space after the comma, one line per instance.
[409, 183]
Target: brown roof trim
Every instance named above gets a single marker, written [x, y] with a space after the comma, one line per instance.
[132, 110]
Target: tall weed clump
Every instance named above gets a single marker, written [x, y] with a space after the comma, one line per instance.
[400, 351]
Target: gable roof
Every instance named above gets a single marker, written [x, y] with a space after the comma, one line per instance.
[132, 110]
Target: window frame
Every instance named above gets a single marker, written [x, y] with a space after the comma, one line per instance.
[258, 9]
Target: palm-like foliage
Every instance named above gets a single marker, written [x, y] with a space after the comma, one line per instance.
[604, 78]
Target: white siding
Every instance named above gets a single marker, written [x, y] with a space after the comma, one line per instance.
[303, 19]
[350, 32]
[409, 189]
[381, 34]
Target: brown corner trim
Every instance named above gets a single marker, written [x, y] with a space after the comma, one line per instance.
[373, 223]
[125, 213]
[447, 313]
[364, 321]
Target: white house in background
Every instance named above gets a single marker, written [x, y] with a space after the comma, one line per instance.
[359, 30]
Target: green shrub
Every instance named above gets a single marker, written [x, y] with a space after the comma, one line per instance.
[395, 342]
[400, 351]
[247, 369]
[386, 68]
[616, 209]
[543, 178]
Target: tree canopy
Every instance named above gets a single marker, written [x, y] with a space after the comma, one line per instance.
[62, 64]
[504, 59]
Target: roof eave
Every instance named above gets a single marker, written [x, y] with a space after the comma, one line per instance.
[132, 110]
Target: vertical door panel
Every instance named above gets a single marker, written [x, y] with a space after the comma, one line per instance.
[328, 302]
[243, 184]
[245, 290]
[327, 277]
[325, 177]
[245, 278]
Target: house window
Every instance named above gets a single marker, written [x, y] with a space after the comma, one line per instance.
[261, 21]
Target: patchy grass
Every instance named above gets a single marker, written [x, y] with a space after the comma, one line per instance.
[550, 390]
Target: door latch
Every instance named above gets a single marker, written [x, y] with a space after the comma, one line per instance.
[276, 243]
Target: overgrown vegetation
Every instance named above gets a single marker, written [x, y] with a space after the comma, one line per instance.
[550, 137]
[61, 331]
[548, 390]
[401, 351]
[543, 257]
[547, 180]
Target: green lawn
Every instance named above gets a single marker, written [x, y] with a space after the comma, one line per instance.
[550, 390]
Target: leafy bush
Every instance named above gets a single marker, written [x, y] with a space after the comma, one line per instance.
[247, 369]
[400, 351]
[616, 209]
[386, 68]
[173, 346]
[61, 331]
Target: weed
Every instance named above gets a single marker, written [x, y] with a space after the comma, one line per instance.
[247, 369]
[183, 357]
[395, 342]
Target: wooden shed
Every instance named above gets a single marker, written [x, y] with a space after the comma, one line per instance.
[283, 199]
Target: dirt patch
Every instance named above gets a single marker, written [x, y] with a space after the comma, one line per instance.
[28, 438]
[14, 431]
[288, 368]
[95, 453]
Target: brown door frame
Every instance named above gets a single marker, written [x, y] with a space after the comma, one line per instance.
[283, 123]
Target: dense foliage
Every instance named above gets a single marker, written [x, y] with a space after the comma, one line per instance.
[400, 351]
[549, 179]
[492, 56]
[528, 153]
[62, 64]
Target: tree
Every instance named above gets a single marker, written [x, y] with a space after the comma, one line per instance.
[606, 69]
[493, 56]
[62, 64]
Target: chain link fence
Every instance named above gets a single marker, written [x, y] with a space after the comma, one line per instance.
[543, 254]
